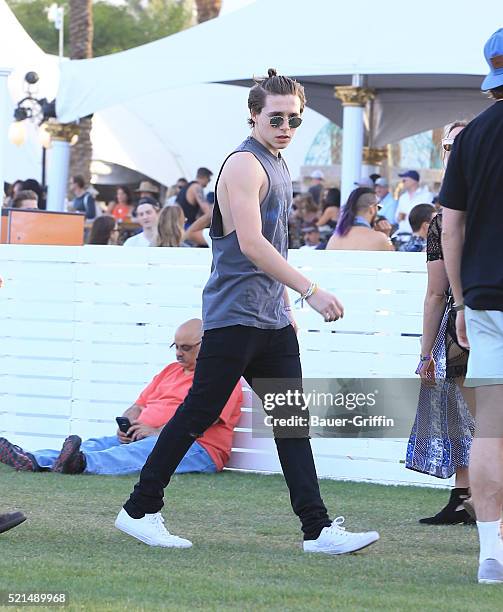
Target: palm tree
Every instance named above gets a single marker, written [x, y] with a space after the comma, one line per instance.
[81, 47]
[207, 9]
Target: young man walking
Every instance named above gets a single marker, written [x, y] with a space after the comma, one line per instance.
[472, 228]
[248, 328]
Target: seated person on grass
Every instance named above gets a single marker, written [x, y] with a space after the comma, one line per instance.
[125, 453]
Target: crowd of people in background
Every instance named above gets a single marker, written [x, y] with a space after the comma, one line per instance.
[375, 217]
[372, 219]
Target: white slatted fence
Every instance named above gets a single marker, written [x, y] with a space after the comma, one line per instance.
[84, 329]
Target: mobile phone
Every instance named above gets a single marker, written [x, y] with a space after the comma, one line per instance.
[124, 424]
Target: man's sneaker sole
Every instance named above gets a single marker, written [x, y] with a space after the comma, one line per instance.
[16, 457]
[146, 540]
[11, 520]
[309, 546]
[69, 450]
[490, 572]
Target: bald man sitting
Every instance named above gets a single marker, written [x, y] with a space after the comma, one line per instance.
[125, 453]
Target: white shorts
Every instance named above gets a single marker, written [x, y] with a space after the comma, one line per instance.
[484, 329]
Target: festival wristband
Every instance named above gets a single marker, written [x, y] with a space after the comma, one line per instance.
[307, 294]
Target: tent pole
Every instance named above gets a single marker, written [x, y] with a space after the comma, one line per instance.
[59, 164]
[354, 97]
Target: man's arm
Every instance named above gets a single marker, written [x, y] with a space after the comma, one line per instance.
[194, 232]
[400, 214]
[90, 206]
[453, 238]
[243, 197]
[133, 412]
[197, 193]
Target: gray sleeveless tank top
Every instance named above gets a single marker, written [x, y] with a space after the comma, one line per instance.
[237, 292]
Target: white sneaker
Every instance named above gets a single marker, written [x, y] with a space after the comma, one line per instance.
[149, 529]
[490, 572]
[335, 540]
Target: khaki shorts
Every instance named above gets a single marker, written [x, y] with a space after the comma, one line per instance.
[484, 329]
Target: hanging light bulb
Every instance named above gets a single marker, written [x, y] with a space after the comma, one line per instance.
[17, 132]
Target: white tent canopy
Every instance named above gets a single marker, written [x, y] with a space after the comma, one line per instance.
[198, 125]
[20, 54]
[158, 134]
[425, 73]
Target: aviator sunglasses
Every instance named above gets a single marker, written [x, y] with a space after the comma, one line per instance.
[185, 348]
[277, 121]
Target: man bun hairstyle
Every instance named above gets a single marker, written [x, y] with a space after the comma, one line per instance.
[275, 85]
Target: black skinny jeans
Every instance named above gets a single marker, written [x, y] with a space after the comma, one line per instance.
[226, 354]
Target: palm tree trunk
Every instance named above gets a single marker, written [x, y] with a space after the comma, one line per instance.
[81, 47]
[207, 9]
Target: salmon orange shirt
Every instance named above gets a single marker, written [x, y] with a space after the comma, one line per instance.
[161, 398]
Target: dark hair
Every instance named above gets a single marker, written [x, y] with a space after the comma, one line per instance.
[16, 182]
[273, 85]
[421, 213]
[101, 230]
[33, 185]
[356, 203]
[79, 180]
[305, 201]
[127, 191]
[204, 173]
[332, 198]
[496, 93]
[146, 200]
[183, 180]
[25, 194]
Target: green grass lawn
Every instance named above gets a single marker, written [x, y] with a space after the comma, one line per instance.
[246, 553]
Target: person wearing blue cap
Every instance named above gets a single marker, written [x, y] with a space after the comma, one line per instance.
[413, 194]
[472, 197]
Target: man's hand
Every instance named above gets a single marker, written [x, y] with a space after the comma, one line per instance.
[138, 431]
[427, 372]
[384, 226]
[123, 439]
[461, 330]
[326, 304]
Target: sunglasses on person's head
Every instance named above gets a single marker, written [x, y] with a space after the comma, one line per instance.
[447, 144]
[185, 348]
[277, 121]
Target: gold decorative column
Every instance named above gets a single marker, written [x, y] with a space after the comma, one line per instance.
[373, 156]
[354, 98]
[350, 95]
[65, 132]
